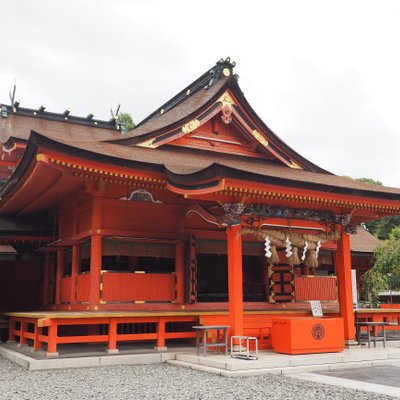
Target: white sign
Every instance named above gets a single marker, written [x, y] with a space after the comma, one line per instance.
[354, 287]
[316, 308]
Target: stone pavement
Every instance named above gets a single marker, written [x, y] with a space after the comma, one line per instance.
[379, 379]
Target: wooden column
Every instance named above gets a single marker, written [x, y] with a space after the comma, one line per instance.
[74, 271]
[343, 262]
[235, 279]
[52, 339]
[180, 272]
[95, 253]
[112, 336]
[59, 274]
[160, 345]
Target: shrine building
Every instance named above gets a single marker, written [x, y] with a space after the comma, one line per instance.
[199, 215]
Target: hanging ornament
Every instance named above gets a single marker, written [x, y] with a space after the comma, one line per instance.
[317, 248]
[303, 257]
[274, 256]
[288, 247]
[294, 258]
[267, 247]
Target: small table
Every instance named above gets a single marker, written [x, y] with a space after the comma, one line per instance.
[374, 337]
[205, 344]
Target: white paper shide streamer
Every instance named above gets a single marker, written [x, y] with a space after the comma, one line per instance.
[317, 248]
[303, 257]
[288, 250]
[267, 247]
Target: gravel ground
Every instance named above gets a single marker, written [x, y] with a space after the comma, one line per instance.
[158, 381]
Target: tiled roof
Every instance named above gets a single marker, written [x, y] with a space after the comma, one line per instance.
[20, 126]
[185, 164]
[363, 241]
[181, 164]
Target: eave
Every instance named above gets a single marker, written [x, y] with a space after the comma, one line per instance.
[51, 170]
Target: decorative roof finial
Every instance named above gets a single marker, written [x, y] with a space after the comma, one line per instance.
[222, 68]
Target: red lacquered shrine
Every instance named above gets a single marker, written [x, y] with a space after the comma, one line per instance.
[199, 215]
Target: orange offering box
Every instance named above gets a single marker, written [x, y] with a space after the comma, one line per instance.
[305, 335]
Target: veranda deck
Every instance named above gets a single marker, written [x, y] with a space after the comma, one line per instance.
[55, 327]
[51, 328]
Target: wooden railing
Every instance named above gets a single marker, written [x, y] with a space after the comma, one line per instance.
[323, 288]
[82, 288]
[389, 306]
[120, 287]
[66, 290]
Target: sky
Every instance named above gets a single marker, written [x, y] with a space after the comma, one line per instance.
[323, 75]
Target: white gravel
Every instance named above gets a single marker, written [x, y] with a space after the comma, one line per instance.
[158, 381]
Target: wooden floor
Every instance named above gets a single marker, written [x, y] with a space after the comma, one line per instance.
[107, 314]
[156, 313]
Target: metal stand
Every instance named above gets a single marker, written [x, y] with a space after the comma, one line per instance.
[240, 347]
[201, 339]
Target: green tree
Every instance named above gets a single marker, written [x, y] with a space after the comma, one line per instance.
[373, 283]
[387, 261]
[125, 122]
[369, 180]
[382, 227]
[385, 274]
[395, 233]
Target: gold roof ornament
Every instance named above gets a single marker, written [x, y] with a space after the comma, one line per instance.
[260, 138]
[226, 71]
[226, 100]
[191, 126]
[294, 165]
[148, 143]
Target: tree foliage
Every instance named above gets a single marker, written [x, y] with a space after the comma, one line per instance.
[395, 233]
[125, 122]
[369, 180]
[373, 283]
[385, 274]
[387, 262]
[382, 227]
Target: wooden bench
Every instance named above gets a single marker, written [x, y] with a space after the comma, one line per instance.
[372, 332]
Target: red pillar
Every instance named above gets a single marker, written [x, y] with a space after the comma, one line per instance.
[74, 271]
[343, 261]
[160, 345]
[235, 279]
[112, 336]
[60, 271]
[52, 339]
[180, 272]
[95, 253]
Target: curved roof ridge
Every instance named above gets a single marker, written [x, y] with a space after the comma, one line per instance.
[205, 81]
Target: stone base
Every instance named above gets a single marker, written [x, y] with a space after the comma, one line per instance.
[351, 344]
[160, 348]
[112, 351]
[52, 355]
[35, 350]
[22, 345]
